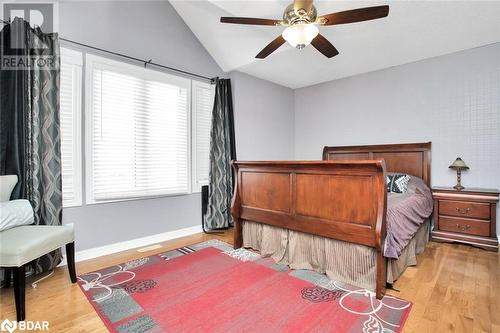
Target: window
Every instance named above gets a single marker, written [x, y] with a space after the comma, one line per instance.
[138, 132]
[70, 122]
[202, 105]
[146, 133]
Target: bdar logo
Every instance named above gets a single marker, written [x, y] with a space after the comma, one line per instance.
[7, 325]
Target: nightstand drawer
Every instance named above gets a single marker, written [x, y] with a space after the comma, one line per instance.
[464, 226]
[464, 209]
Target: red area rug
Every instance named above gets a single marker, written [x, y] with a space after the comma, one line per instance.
[209, 287]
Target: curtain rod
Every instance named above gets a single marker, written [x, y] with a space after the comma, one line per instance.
[145, 62]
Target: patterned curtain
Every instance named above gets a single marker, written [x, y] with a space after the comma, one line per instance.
[29, 123]
[222, 151]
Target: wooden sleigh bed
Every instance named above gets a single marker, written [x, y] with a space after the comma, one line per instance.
[342, 197]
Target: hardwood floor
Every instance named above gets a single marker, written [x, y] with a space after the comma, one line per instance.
[454, 288]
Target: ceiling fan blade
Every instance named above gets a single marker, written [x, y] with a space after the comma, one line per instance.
[249, 20]
[271, 47]
[324, 46]
[354, 15]
[303, 4]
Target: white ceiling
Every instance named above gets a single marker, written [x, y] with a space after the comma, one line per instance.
[414, 30]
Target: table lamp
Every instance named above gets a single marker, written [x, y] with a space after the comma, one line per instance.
[459, 165]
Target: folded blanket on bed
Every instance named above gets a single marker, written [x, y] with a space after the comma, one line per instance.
[405, 214]
[15, 213]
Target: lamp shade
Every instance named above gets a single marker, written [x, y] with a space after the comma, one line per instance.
[459, 164]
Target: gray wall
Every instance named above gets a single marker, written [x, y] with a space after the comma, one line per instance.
[153, 30]
[142, 29]
[453, 101]
[264, 119]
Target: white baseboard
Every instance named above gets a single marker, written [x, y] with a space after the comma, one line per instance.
[132, 244]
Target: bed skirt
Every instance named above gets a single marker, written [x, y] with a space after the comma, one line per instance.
[339, 260]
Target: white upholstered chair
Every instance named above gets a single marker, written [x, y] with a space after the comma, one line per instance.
[21, 244]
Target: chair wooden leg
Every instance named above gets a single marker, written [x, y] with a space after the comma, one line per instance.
[7, 276]
[70, 258]
[19, 286]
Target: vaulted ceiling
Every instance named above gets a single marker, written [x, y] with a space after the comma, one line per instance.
[414, 30]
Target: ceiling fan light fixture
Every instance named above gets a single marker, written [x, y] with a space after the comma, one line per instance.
[301, 20]
[300, 35]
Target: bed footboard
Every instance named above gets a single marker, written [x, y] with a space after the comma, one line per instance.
[344, 200]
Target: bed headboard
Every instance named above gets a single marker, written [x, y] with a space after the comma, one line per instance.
[410, 158]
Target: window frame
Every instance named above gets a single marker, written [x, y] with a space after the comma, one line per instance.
[196, 184]
[75, 58]
[94, 61]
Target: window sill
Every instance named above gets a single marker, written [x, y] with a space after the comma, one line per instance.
[152, 197]
[72, 205]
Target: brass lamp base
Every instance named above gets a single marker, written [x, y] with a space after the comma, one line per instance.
[459, 186]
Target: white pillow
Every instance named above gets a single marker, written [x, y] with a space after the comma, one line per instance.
[15, 213]
[7, 184]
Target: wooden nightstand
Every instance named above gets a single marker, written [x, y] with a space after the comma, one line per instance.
[467, 216]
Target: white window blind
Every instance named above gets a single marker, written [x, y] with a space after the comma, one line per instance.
[138, 132]
[202, 104]
[70, 124]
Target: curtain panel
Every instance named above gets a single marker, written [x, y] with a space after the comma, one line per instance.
[30, 144]
[222, 151]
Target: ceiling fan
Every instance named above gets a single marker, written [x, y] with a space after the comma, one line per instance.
[301, 20]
